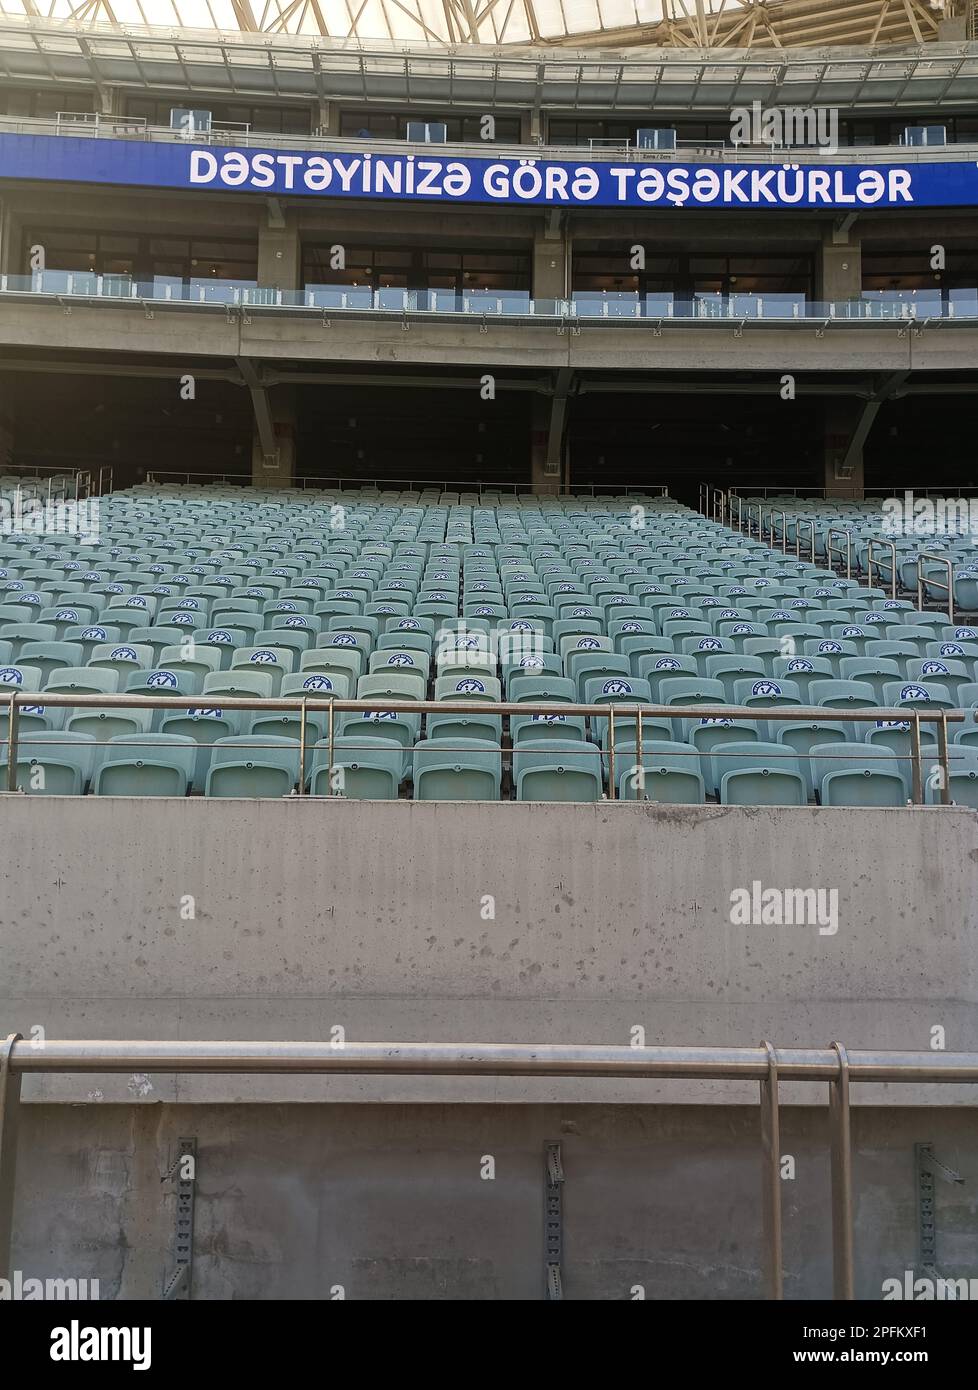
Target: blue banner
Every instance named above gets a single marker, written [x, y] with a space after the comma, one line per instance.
[526, 182]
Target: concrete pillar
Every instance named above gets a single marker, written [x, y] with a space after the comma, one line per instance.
[551, 251]
[840, 268]
[278, 468]
[6, 439]
[543, 483]
[328, 118]
[279, 249]
[531, 127]
[844, 472]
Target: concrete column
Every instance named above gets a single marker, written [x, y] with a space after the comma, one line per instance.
[543, 483]
[279, 249]
[278, 468]
[840, 268]
[551, 250]
[844, 472]
[531, 127]
[328, 118]
[6, 439]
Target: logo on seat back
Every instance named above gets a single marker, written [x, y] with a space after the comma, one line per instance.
[66, 615]
[914, 692]
[408, 625]
[297, 621]
[951, 649]
[263, 657]
[800, 663]
[709, 644]
[317, 683]
[11, 675]
[934, 668]
[765, 688]
[94, 634]
[830, 647]
[162, 680]
[668, 663]
[343, 639]
[124, 654]
[616, 687]
[470, 686]
[401, 659]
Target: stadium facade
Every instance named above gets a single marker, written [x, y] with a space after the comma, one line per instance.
[481, 281]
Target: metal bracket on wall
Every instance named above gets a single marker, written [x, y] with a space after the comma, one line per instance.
[183, 1170]
[553, 1233]
[927, 1168]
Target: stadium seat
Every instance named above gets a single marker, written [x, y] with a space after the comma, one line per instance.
[146, 765]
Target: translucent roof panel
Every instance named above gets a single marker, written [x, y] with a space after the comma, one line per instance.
[585, 24]
[402, 21]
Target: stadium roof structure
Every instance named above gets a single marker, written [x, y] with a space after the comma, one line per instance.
[574, 24]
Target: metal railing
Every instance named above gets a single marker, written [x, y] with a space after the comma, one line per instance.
[637, 747]
[801, 521]
[772, 535]
[767, 1065]
[830, 548]
[870, 561]
[947, 588]
[338, 482]
[576, 310]
[240, 135]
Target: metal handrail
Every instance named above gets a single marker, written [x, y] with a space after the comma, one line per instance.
[776, 511]
[299, 484]
[893, 564]
[839, 531]
[735, 497]
[801, 521]
[304, 705]
[765, 1064]
[750, 507]
[948, 587]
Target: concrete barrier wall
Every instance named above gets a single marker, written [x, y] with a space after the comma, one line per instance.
[390, 1202]
[480, 922]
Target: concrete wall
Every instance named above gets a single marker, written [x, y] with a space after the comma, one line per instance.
[389, 1202]
[275, 336]
[313, 913]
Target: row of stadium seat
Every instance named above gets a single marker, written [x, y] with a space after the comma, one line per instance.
[736, 773]
[205, 594]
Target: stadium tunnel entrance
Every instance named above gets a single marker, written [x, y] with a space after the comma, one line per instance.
[517, 430]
